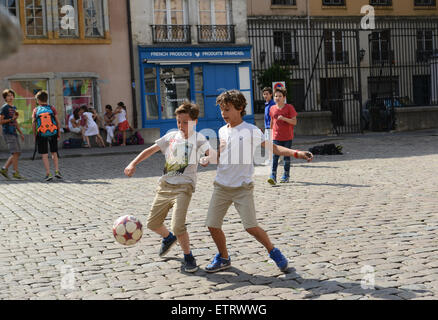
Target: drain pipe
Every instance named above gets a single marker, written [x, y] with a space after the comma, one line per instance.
[131, 61]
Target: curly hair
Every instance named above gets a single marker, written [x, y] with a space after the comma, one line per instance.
[233, 97]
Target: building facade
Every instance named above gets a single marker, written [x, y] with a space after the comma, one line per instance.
[342, 55]
[189, 50]
[77, 50]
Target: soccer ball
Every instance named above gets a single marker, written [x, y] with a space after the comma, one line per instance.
[127, 230]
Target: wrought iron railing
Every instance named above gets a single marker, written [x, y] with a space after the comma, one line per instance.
[171, 33]
[216, 33]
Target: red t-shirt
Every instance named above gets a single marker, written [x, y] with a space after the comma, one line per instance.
[281, 130]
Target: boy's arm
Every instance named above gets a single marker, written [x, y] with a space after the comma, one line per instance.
[146, 153]
[283, 151]
[292, 121]
[58, 126]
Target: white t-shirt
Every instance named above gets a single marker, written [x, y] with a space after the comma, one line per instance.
[182, 156]
[121, 116]
[236, 161]
[70, 126]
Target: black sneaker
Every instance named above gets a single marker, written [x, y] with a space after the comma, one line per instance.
[167, 244]
[58, 174]
[190, 264]
[48, 177]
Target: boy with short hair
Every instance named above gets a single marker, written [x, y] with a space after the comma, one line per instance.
[8, 120]
[47, 132]
[283, 121]
[182, 149]
[269, 102]
[234, 182]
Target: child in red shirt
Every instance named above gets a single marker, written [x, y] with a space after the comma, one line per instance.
[283, 120]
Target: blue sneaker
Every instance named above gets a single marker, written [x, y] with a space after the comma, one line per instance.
[284, 179]
[167, 244]
[272, 180]
[279, 259]
[218, 264]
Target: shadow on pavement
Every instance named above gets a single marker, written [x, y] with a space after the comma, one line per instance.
[294, 281]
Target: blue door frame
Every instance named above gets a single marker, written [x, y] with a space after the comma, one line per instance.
[217, 77]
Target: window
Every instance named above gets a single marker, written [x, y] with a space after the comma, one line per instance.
[77, 92]
[284, 48]
[11, 6]
[170, 21]
[174, 88]
[381, 2]
[67, 18]
[170, 12]
[25, 91]
[151, 99]
[425, 45]
[93, 18]
[380, 47]
[35, 16]
[215, 21]
[334, 47]
[333, 2]
[61, 21]
[198, 73]
[283, 2]
[424, 3]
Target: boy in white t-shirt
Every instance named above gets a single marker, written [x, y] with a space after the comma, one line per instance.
[234, 183]
[182, 150]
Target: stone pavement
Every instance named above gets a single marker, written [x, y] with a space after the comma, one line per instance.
[362, 225]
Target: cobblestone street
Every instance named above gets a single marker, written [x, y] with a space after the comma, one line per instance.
[362, 225]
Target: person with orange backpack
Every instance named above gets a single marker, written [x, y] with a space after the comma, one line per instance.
[46, 129]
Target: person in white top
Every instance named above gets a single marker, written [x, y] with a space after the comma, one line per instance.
[91, 128]
[123, 124]
[234, 178]
[182, 150]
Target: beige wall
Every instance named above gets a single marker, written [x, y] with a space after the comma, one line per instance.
[264, 8]
[353, 7]
[109, 61]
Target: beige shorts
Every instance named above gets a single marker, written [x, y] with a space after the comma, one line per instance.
[169, 195]
[223, 197]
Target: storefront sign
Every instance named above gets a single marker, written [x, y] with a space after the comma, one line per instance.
[194, 54]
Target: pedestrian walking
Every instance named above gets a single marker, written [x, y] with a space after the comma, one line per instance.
[283, 121]
[46, 130]
[10, 126]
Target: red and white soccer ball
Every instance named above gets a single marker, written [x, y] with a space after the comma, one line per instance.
[127, 230]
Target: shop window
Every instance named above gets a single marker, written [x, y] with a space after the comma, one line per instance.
[151, 98]
[77, 92]
[68, 18]
[25, 91]
[199, 89]
[174, 89]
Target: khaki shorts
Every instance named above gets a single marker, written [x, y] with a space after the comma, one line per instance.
[169, 195]
[223, 197]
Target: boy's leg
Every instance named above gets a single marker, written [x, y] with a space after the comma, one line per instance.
[46, 164]
[286, 174]
[178, 223]
[262, 237]
[15, 157]
[220, 201]
[220, 240]
[55, 161]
